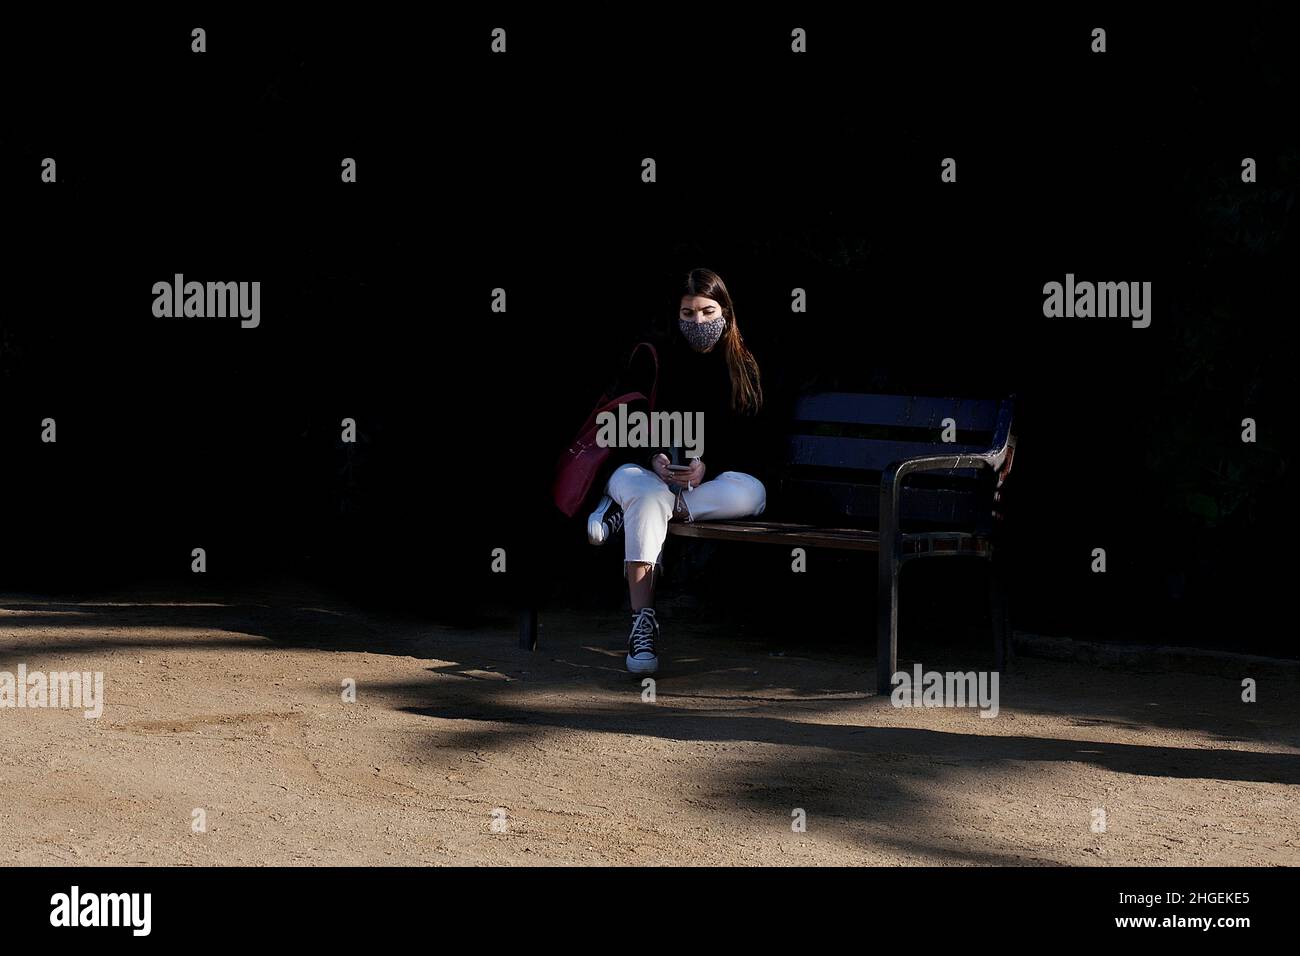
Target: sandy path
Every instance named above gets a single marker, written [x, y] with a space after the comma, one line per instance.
[235, 707]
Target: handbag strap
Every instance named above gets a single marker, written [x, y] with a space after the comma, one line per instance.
[606, 401]
[654, 354]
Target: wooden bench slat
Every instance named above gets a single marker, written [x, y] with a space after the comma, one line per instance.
[816, 536]
[900, 410]
[779, 532]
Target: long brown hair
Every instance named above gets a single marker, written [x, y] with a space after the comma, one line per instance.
[746, 383]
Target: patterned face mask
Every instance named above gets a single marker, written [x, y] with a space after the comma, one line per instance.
[702, 336]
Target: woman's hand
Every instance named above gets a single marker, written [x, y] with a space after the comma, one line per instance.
[659, 464]
[690, 478]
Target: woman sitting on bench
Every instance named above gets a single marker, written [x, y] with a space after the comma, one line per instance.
[706, 369]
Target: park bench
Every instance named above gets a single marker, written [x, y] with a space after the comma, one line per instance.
[873, 473]
[877, 474]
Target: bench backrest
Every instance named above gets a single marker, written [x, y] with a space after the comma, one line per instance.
[840, 442]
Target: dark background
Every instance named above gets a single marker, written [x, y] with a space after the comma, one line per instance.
[523, 172]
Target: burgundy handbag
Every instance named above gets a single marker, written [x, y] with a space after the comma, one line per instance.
[580, 463]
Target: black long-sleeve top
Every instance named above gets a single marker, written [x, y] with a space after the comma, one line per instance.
[690, 382]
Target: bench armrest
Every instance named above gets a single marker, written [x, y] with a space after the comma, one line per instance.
[891, 479]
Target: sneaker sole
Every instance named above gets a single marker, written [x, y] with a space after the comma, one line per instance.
[596, 530]
[642, 667]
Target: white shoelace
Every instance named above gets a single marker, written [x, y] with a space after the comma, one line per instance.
[643, 632]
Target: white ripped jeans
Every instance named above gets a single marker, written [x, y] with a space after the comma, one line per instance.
[647, 502]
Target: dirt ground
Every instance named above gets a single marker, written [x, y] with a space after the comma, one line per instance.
[462, 749]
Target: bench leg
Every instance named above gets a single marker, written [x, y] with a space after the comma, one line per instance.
[998, 615]
[528, 628]
[886, 623]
